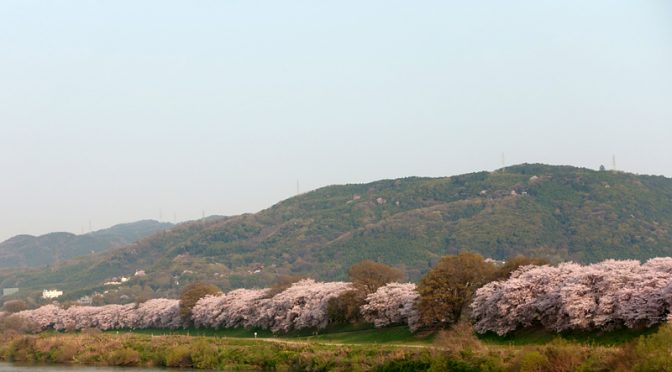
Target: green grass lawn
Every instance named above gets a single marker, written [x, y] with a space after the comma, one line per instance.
[390, 335]
[223, 353]
[227, 332]
[352, 347]
[346, 334]
[538, 336]
[366, 334]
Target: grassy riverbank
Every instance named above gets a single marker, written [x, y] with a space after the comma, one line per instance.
[392, 349]
[132, 349]
[349, 334]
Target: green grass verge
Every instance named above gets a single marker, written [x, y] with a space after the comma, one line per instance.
[391, 335]
[227, 332]
[352, 348]
[130, 349]
[345, 334]
[366, 334]
[538, 336]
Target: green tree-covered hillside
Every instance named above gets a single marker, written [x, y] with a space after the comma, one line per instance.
[50, 249]
[559, 212]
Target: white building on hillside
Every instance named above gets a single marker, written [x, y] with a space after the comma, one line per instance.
[49, 294]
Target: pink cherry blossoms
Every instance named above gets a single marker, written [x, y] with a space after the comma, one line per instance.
[238, 308]
[393, 303]
[157, 313]
[574, 297]
[303, 305]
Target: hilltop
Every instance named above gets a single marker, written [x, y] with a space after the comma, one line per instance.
[559, 212]
[53, 248]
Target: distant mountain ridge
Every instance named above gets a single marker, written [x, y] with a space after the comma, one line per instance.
[52, 248]
[559, 212]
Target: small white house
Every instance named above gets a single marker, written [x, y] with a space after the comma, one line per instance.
[50, 294]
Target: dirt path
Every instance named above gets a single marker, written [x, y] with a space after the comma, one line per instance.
[309, 342]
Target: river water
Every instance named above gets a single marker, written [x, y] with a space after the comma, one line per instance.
[9, 367]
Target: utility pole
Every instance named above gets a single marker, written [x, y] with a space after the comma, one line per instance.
[297, 187]
[613, 163]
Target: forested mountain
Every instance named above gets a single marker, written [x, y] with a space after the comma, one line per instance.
[560, 212]
[50, 249]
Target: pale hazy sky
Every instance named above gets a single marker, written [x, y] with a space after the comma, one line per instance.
[111, 111]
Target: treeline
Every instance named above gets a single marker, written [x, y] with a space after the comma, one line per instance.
[305, 304]
[523, 292]
[602, 296]
[302, 305]
[373, 295]
[294, 303]
[156, 313]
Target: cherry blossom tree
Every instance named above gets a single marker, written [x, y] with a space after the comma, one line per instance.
[157, 313]
[393, 303]
[303, 305]
[602, 296]
[238, 308]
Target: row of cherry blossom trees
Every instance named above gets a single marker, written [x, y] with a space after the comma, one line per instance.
[156, 313]
[302, 305]
[574, 297]
[569, 296]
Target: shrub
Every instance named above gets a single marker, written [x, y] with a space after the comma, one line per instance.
[654, 352]
[404, 365]
[125, 357]
[534, 361]
[204, 355]
[21, 349]
[564, 356]
[179, 356]
[459, 337]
